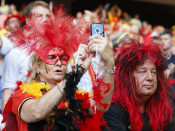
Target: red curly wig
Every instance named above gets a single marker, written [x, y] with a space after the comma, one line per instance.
[158, 107]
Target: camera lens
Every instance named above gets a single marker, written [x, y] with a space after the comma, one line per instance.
[97, 30]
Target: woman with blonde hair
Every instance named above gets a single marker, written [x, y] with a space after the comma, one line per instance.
[50, 99]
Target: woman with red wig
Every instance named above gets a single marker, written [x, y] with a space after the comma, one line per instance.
[141, 99]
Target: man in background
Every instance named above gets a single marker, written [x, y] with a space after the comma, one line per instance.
[12, 23]
[16, 62]
[166, 40]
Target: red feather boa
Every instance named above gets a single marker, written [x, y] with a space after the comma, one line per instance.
[93, 123]
[97, 120]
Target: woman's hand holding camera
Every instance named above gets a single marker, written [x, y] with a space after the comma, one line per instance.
[104, 49]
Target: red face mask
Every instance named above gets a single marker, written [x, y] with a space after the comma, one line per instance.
[56, 54]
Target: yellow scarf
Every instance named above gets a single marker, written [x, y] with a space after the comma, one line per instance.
[34, 88]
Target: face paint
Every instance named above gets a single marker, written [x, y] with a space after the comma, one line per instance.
[46, 69]
[136, 82]
[148, 92]
[56, 54]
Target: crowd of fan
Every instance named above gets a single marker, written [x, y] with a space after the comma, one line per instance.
[115, 21]
[122, 27]
[119, 26]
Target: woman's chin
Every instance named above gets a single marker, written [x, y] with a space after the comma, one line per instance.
[58, 79]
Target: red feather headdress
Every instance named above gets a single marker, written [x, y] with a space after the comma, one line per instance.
[42, 35]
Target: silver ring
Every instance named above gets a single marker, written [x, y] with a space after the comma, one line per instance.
[98, 40]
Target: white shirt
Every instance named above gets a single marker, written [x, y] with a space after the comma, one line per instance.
[5, 49]
[15, 68]
[85, 82]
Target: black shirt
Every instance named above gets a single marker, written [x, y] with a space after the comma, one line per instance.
[118, 120]
[172, 94]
